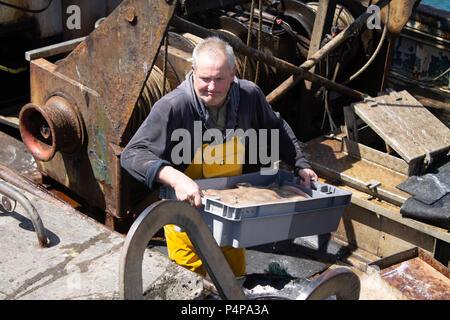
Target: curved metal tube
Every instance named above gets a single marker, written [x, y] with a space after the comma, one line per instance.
[339, 282]
[182, 214]
[30, 209]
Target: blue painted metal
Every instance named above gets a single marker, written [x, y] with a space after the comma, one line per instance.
[422, 51]
[98, 156]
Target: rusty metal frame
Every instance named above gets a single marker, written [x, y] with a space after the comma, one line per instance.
[434, 282]
[102, 79]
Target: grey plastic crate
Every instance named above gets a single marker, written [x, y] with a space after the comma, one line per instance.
[246, 226]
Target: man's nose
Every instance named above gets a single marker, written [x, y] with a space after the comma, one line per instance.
[211, 85]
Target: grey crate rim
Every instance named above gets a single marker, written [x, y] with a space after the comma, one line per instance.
[306, 216]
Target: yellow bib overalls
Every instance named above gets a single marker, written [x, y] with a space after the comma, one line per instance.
[223, 160]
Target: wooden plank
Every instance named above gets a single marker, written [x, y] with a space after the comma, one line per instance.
[360, 228]
[327, 157]
[405, 125]
[395, 237]
[351, 130]
[383, 191]
[392, 212]
[322, 23]
[363, 152]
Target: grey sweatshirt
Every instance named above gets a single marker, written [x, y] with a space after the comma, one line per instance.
[151, 146]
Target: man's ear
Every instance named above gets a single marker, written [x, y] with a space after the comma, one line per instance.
[233, 72]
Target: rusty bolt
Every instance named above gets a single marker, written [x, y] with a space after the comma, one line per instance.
[130, 14]
[45, 130]
[7, 205]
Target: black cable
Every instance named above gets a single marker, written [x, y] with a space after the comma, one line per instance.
[26, 9]
[338, 15]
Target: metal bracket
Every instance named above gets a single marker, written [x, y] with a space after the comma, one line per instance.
[371, 101]
[340, 282]
[148, 223]
[373, 184]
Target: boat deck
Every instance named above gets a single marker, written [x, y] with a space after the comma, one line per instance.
[82, 258]
[80, 262]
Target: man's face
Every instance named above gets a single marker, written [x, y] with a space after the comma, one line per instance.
[212, 78]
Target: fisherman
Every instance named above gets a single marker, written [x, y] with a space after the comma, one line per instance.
[213, 99]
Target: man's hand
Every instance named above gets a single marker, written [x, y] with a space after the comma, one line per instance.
[307, 175]
[185, 188]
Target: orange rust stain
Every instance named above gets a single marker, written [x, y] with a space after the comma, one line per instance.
[418, 280]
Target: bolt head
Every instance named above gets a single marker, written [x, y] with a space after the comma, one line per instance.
[130, 14]
[6, 203]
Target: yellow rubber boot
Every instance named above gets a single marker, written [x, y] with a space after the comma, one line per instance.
[182, 251]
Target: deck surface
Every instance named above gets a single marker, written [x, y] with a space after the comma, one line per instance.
[80, 262]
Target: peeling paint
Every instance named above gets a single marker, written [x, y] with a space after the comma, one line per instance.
[420, 61]
[98, 155]
[431, 21]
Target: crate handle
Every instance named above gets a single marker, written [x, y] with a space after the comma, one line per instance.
[321, 187]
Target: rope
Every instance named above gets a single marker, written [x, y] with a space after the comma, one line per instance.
[377, 50]
[249, 34]
[153, 91]
[6, 4]
[166, 44]
[259, 40]
[342, 17]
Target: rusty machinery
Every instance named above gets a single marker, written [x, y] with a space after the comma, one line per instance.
[80, 110]
[86, 107]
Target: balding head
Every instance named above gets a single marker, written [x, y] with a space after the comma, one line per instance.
[213, 66]
[213, 46]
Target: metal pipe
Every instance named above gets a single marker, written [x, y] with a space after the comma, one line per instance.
[38, 190]
[23, 183]
[30, 209]
[388, 61]
[266, 58]
[182, 214]
[342, 283]
[352, 29]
